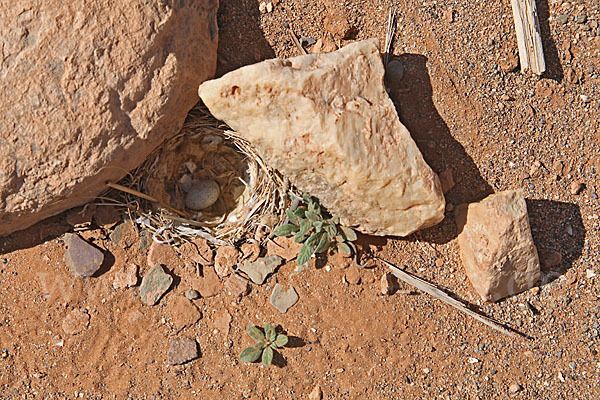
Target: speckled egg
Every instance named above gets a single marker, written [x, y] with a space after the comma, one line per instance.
[202, 194]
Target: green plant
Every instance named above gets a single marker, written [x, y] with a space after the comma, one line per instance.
[313, 226]
[267, 342]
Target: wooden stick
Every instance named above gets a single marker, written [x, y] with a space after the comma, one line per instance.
[295, 40]
[527, 25]
[438, 294]
[144, 196]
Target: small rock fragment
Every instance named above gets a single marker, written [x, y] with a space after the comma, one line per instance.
[258, 270]
[589, 273]
[283, 300]
[562, 18]
[353, 275]
[508, 61]
[536, 169]
[307, 41]
[127, 277]
[250, 251]
[449, 15]
[106, 216]
[182, 350]
[496, 245]
[262, 7]
[222, 322]
[237, 286]
[154, 285]
[76, 321]
[316, 394]
[209, 285]
[269, 7]
[447, 180]
[514, 388]
[394, 73]
[577, 187]
[225, 259]
[124, 234]
[389, 284]
[162, 253]
[549, 259]
[83, 259]
[183, 313]
[191, 294]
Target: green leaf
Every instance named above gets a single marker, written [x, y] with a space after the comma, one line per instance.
[344, 248]
[292, 217]
[301, 238]
[281, 340]
[300, 212]
[330, 229]
[318, 225]
[250, 354]
[324, 243]
[270, 332]
[267, 356]
[255, 333]
[314, 238]
[285, 230]
[304, 253]
[312, 216]
[304, 227]
[349, 233]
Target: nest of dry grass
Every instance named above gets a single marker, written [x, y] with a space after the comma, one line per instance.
[253, 196]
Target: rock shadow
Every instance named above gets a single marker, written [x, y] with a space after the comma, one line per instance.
[557, 227]
[235, 49]
[554, 68]
[415, 107]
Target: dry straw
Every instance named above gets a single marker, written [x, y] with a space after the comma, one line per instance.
[253, 197]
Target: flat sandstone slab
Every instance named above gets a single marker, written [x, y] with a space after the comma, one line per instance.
[496, 245]
[326, 122]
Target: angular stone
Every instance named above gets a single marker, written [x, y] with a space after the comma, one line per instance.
[154, 285]
[389, 284]
[76, 321]
[182, 350]
[89, 91]
[209, 285]
[237, 286]
[183, 313]
[353, 275]
[326, 122]
[197, 251]
[225, 259]
[281, 299]
[258, 270]
[250, 251]
[284, 247]
[162, 253]
[82, 258]
[127, 277]
[496, 245]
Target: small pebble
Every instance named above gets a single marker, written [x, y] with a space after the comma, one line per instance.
[191, 294]
[577, 187]
[581, 19]
[562, 18]
[394, 73]
[514, 388]
[584, 98]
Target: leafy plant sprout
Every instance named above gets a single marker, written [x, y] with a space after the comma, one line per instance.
[318, 230]
[266, 343]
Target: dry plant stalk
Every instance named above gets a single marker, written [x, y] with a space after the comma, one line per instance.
[389, 34]
[439, 294]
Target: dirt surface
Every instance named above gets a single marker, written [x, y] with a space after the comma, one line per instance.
[468, 111]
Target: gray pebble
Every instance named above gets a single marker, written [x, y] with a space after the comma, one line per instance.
[154, 285]
[306, 41]
[82, 258]
[394, 73]
[581, 19]
[562, 18]
[192, 294]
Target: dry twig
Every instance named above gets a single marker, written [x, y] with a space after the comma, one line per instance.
[439, 294]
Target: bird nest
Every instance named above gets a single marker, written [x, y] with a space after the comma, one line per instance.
[252, 198]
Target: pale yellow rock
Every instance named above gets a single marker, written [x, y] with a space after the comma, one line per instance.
[496, 245]
[326, 122]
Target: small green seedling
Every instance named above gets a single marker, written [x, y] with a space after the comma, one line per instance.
[316, 229]
[267, 342]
